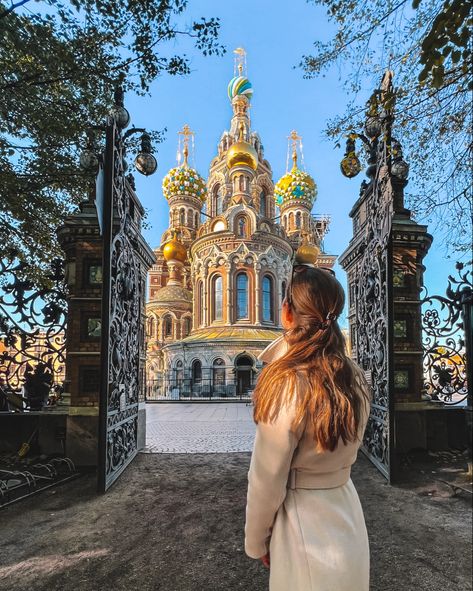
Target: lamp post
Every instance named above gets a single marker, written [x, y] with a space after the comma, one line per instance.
[376, 139]
[145, 162]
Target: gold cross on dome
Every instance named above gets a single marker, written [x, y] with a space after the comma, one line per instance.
[240, 61]
[185, 134]
[294, 140]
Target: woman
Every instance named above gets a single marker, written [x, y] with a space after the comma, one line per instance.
[311, 404]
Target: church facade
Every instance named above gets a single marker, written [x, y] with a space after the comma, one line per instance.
[223, 264]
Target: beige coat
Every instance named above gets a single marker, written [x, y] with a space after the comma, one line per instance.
[303, 508]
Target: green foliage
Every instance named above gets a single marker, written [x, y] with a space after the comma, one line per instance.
[59, 62]
[428, 47]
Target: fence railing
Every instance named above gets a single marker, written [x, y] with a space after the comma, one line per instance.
[447, 335]
[187, 389]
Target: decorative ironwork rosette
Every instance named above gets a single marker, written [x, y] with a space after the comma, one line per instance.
[445, 363]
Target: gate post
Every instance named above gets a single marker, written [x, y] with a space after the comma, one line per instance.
[80, 239]
[385, 274]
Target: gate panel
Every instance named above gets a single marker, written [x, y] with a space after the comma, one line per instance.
[121, 311]
[374, 320]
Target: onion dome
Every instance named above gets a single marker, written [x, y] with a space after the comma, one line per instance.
[240, 86]
[242, 153]
[295, 185]
[307, 253]
[173, 294]
[175, 250]
[184, 180]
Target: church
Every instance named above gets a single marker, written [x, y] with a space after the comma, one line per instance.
[222, 266]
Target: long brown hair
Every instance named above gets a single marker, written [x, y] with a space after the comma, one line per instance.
[331, 392]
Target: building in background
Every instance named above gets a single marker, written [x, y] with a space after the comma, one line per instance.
[223, 263]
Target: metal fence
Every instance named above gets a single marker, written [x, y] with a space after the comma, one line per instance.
[187, 389]
[447, 341]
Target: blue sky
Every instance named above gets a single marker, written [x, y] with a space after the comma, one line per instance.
[275, 35]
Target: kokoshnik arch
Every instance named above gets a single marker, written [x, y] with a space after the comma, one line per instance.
[223, 263]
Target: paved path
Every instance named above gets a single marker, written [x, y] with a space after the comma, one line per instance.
[199, 428]
[174, 522]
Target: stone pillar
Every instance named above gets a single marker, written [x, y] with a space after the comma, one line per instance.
[80, 239]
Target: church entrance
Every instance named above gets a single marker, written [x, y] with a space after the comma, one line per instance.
[244, 370]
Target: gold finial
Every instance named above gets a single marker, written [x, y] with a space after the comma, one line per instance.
[184, 136]
[293, 140]
[240, 61]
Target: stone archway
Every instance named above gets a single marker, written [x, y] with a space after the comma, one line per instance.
[244, 373]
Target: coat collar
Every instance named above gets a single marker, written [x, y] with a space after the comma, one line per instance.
[274, 350]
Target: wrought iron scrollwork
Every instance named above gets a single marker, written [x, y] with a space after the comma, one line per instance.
[372, 302]
[122, 320]
[32, 327]
[445, 363]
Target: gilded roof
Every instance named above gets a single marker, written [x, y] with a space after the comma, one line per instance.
[225, 333]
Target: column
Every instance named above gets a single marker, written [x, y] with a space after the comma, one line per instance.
[204, 297]
[229, 292]
[257, 268]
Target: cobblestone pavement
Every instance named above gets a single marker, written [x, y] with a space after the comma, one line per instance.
[199, 428]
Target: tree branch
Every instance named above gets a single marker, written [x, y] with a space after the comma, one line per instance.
[13, 7]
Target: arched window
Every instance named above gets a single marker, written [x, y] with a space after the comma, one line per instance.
[182, 217]
[186, 327]
[196, 372]
[218, 372]
[298, 219]
[167, 326]
[217, 200]
[291, 221]
[196, 220]
[262, 204]
[242, 296]
[242, 183]
[268, 305]
[150, 327]
[179, 372]
[217, 298]
[190, 217]
[242, 226]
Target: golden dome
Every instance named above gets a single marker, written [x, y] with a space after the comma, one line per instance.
[307, 253]
[295, 185]
[174, 250]
[242, 153]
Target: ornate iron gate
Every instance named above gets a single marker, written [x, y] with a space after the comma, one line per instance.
[372, 278]
[374, 314]
[121, 311]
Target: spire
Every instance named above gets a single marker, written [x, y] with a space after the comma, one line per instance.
[294, 142]
[183, 145]
[239, 66]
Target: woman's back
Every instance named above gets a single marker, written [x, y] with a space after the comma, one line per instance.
[311, 408]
